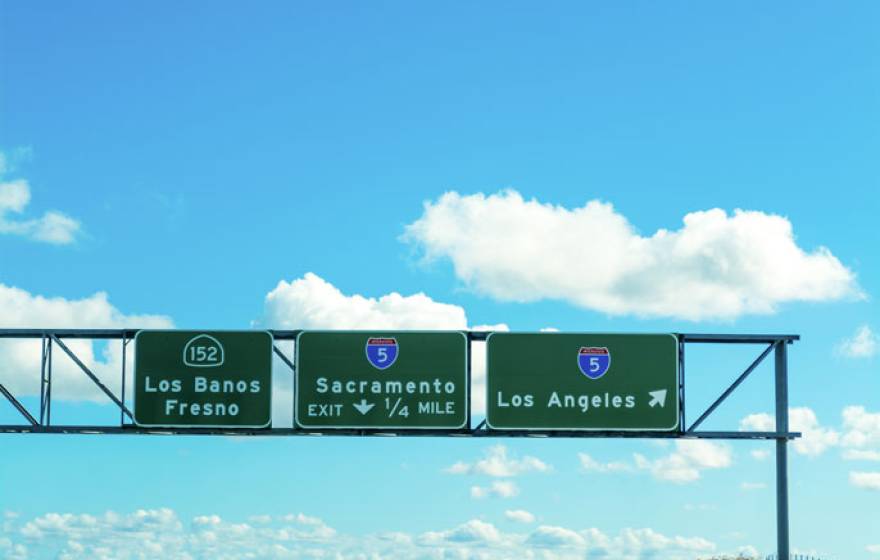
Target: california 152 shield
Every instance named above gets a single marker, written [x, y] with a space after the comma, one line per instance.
[381, 352]
[594, 361]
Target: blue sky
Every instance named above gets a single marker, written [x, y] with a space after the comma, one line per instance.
[222, 166]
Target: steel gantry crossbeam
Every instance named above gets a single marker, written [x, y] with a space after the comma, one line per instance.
[51, 338]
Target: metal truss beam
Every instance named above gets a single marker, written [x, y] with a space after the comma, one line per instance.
[733, 386]
[91, 375]
[481, 433]
[52, 337]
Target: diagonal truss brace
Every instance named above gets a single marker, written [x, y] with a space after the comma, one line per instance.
[284, 358]
[733, 386]
[92, 376]
[18, 406]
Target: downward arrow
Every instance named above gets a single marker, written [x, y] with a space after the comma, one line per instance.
[363, 407]
[657, 397]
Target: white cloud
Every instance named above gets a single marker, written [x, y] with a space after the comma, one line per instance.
[648, 543]
[861, 455]
[760, 454]
[861, 428]
[474, 531]
[311, 302]
[519, 515]
[815, 439]
[161, 534]
[862, 344]
[752, 486]
[498, 488]
[20, 358]
[869, 480]
[690, 458]
[53, 227]
[873, 548]
[717, 266]
[589, 464]
[12, 551]
[497, 463]
[555, 537]
[860, 437]
[84, 526]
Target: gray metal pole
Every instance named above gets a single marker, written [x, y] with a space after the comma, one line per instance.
[782, 548]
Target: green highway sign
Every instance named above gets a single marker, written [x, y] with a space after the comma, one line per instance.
[381, 380]
[203, 379]
[562, 381]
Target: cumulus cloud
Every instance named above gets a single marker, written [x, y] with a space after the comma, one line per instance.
[20, 358]
[82, 527]
[861, 455]
[716, 266]
[588, 464]
[861, 442]
[861, 428]
[473, 532]
[498, 463]
[311, 302]
[160, 533]
[760, 454]
[862, 344]
[548, 536]
[869, 480]
[498, 489]
[815, 439]
[52, 227]
[12, 551]
[519, 515]
[690, 458]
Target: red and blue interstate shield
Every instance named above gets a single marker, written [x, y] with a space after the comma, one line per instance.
[381, 352]
[594, 361]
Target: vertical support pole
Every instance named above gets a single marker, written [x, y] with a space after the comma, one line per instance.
[682, 420]
[293, 351]
[43, 379]
[122, 411]
[782, 545]
[48, 382]
[468, 345]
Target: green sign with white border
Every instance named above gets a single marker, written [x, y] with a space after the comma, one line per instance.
[589, 381]
[203, 379]
[381, 380]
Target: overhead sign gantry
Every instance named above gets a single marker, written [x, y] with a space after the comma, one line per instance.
[410, 384]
